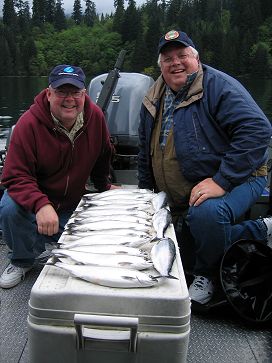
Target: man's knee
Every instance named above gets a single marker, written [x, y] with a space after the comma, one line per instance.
[209, 212]
[9, 208]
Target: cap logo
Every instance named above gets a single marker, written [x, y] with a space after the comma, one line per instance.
[68, 70]
[173, 34]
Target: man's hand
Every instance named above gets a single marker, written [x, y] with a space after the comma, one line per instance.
[47, 220]
[204, 190]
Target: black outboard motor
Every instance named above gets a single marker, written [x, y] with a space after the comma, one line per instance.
[123, 117]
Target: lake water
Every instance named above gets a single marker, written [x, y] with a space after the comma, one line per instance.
[17, 94]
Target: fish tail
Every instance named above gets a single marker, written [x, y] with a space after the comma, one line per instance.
[172, 277]
[52, 260]
[166, 276]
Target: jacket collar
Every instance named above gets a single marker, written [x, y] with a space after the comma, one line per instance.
[156, 92]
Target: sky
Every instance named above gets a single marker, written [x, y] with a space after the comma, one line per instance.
[102, 6]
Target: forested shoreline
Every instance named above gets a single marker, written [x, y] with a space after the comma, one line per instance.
[232, 35]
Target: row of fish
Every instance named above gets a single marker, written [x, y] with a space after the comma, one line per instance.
[113, 236]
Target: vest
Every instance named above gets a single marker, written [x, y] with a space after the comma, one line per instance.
[166, 168]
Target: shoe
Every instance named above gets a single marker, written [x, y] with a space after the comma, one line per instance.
[201, 290]
[268, 222]
[13, 275]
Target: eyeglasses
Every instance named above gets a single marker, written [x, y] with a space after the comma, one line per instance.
[180, 57]
[64, 94]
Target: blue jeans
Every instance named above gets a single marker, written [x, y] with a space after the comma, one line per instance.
[213, 224]
[20, 232]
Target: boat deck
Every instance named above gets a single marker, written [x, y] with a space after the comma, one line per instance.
[218, 337]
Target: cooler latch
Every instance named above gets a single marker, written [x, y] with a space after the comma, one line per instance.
[95, 332]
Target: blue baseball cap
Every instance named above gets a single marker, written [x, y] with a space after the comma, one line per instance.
[175, 36]
[66, 74]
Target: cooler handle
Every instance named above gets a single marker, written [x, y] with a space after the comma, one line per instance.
[81, 320]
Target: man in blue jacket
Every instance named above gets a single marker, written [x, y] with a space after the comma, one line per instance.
[203, 140]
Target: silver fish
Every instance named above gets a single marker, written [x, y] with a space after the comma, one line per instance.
[112, 212]
[109, 276]
[159, 201]
[105, 225]
[120, 197]
[110, 232]
[161, 221]
[163, 255]
[147, 207]
[72, 241]
[117, 202]
[119, 217]
[125, 261]
[109, 249]
[120, 191]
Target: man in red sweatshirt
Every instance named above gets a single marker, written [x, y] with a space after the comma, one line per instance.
[56, 145]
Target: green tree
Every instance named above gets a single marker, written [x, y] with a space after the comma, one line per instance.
[261, 60]
[90, 13]
[28, 52]
[9, 14]
[77, 12]
[153, 32]
[173, 13]
[38, 12]
[131, 23]
[50, 9]
[118, 19]
[24, 17]
[60, 22]
[5, 59]
[266, 8]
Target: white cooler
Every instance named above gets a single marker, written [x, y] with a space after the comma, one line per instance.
[71, 320]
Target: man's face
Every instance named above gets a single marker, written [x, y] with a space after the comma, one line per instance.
[177, 62]
[66, 103]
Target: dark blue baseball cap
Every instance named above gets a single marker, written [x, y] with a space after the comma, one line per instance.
[66, 74]
[175, 36]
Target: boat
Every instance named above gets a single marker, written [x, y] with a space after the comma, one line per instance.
[218, 333]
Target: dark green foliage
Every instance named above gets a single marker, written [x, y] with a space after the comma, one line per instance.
[232, 35]
[60, 22]
[90, 13]
[50, 10]
[9, 14]
[38, 12]
[23, 17]
[118, 19]
[77, 12]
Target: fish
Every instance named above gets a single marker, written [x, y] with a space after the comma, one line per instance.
[163, 255]
[109, 276]
[147, 208]
[161, 220]
[120, 191]
[110, 232]
[109, 249]
[119, 197]
[133, 241]
[119, 217]
[105, 225]
[111, 212]
[126, 261]
[159, 201]
[117, 202]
